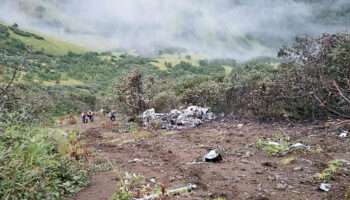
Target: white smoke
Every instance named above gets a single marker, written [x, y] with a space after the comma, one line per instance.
[221, 28]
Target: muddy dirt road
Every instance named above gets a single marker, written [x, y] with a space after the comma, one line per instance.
[247, 171]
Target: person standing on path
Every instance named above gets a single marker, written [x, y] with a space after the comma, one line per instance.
[90, 114]
[83, 117]
[112, 115]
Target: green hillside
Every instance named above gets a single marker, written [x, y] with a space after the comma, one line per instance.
[41, 43]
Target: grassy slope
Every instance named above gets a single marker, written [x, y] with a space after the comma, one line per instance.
[51, 46]
[175, 59]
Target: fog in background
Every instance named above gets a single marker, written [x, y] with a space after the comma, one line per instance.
[239, 29]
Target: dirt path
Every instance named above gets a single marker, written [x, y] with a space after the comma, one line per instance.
[245, 172]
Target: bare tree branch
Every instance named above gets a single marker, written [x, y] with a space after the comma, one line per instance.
[3, 91]
[340, 92]
[321, 104]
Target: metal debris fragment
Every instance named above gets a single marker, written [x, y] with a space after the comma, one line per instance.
[325, 187]
[187, 188]
[292, 148]
[212, 156]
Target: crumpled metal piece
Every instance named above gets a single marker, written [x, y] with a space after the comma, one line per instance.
[187, 188]
[212, 156]
[325, 187]
[189, 117]
[293, 147]
[344, 134]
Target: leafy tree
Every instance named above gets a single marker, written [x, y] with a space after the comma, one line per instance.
[319, 69]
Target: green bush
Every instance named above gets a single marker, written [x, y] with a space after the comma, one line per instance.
[164, 101]
[3, 28]
[36, 164]
[208, 93]
[37, 36]
[20, 32]
[317, 73]
[128, 94]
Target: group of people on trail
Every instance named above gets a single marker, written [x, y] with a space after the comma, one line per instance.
[90, 115]
[86, 115]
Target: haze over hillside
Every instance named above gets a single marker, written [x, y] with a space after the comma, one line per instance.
[239, 29]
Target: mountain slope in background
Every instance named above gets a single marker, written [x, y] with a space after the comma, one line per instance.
[223, 28]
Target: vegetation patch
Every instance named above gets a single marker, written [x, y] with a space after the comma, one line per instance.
[289, 160]
[39, 163]
[272, 145]
[329, 172]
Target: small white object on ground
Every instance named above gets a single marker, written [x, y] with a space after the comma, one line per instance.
[239, 125]
[187, 188]
[344, 134]
[134, 160]
[325, 187]
[293, 146]
[212, 156]
[274, 143]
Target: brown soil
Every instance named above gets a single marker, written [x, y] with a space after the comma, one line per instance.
[244, 173]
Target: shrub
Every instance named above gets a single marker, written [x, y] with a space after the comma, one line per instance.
[329, 172]
[20, 32]
[164, 101]
[37, 164]
[129, 94]
[207, 93]
[3, 28]
[37, 36]
[318, 73]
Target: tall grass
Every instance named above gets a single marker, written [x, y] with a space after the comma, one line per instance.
[35, 163]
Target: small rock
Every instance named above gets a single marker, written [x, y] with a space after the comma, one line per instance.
[248, 154]
[268, 164]
[236, 179]
[153, 180]
[258, 172]
[247, 195]
[334, 133]
[258, 187]
[305, 182]
[239, 125]
[298, 168]
[280, 186]
[245, 161]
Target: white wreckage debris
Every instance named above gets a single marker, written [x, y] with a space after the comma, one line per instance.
[177, 119]
[212, 156]
[343, 134]
[187, 188]
[293, 147]
[325, 187]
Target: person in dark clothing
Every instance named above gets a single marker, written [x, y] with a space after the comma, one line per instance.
[112, 115]
[90, 115]
[83, 117]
